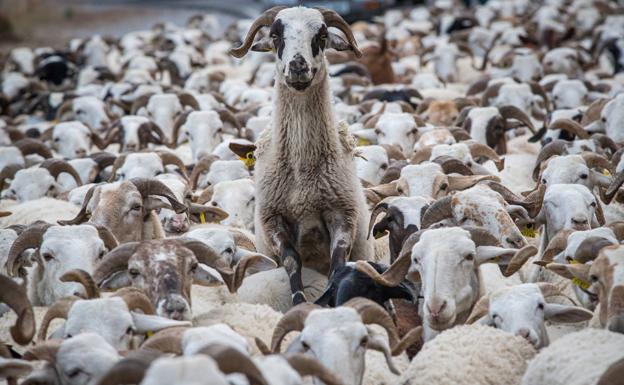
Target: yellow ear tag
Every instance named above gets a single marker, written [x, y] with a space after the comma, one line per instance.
[249, 159]
[582, 284]
[606, 172]
[528, 232]
[363, 142]
[149, 334]
[202, 217]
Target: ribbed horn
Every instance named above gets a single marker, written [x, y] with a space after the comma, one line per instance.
[231, 360]
[85, 279]
[590, 247]
[202, 165]
[481, 236]
[293, 320]
[166, 341]
[135, 298]
[149, 187]
[264, 20]
[557, 244]
[208, 256]
[513, 112]
[373, 313]
[333, 19]
[556, 147]
[481, 308]
[15, 297]
[452, 165]
[130, 369]
[437, 211]
[114, 261]
[82, 215]
[59, 309]
[30, 238]
[57, 166]
[480, 149]
[29, 146]
[171, 158]
[8, 172]
[381, 207]
[570, 126]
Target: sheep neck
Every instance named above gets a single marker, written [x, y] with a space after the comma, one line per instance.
[304, 130]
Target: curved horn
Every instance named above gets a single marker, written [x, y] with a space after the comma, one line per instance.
[242, 240]
[29, 146]
[556, 147]
[548, 289]
[422, 155]
[114, 261]
[557, 244]
[518, 259]
[85, 279]
[231, 360]
[166, 341]
[171, 158]
[136, 299]
[481, 236]
[536, 88]
[480, 149]
[437, 211]
[45, 351]
[381, 207]
[513, 112]
[119, 161]
[333, 19]
[187, 99]
[264, 20]
[594, 111]
[103, 159]
[452, 165]
[590, 247]
[15, 297]
[373, 313]
[82, 215]
[293, 320]
[598, 161]
[570, 126]
[310, 366]
[131, 369]
[201, 166]
[148, 187]
[481, 308]
[8, 172]
[614, 186]
[208, 256]
[490, 92]
[227, 116]
[30, 238]
[59, 309]
[109, 239]
[57, 166]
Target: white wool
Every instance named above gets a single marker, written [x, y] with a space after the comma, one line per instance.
[468, 355]
[577, 359]
[44, 209]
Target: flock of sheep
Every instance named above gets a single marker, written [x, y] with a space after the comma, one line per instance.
[430, 198]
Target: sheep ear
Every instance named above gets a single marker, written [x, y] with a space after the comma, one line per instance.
[263, 45]
[493, 254]
[151, 203]
[207, 276]
[144, 323]
[338, 43]
[570, 271]
[117, 281]
[565, 314]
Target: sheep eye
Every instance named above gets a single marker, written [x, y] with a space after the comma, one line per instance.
[47, 257]
[593, 278]
[51, 188]
[136, 207]
[57, 140]
[383, 166]
[584, 176]
[443, 186]
[133, 273]
[604, 120]
[543, 181]
[194, 267]
[469, 257]
[364, 341]
[305, 346]
[73, 373]
[400, 190]
[378, 131]
[101, 255]
[129, 330]
[593, 204]
[215, 204]
[228, 250]
[540, 306]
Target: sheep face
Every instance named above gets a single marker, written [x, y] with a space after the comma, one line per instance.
[131, 126]
[163, 109]
[397, 128]
[561, 60]
[66, 248]
[569, 94]
[572, 169]
[567, 206]
[172, 221]
[526, 67]
[607, 277]
[31, 183]
[433, 137]
[375, 164]
[91, 111]
[140, 165]
[71, 140]
[611, 119]
[204, 130]
[522, 310]
[119, 207]
[223, 170]
[338, 339]
[518, 95]
[299, 37]
[84, 359]
[425, 179]
[441, 113]
[107, 317]
[445, 62]
[445, 260]
[237, 198]
[10, 155]
[480, 118]
[220, 240]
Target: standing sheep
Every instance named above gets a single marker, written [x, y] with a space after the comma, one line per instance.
[310, 208]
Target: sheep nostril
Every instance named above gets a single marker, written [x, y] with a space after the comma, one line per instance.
[579, 221]
[81, 153]
[524, 333]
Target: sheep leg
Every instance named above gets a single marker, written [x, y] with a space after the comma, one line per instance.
[290, 259]
[341, 234]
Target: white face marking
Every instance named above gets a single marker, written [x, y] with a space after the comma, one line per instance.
[480, 117]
